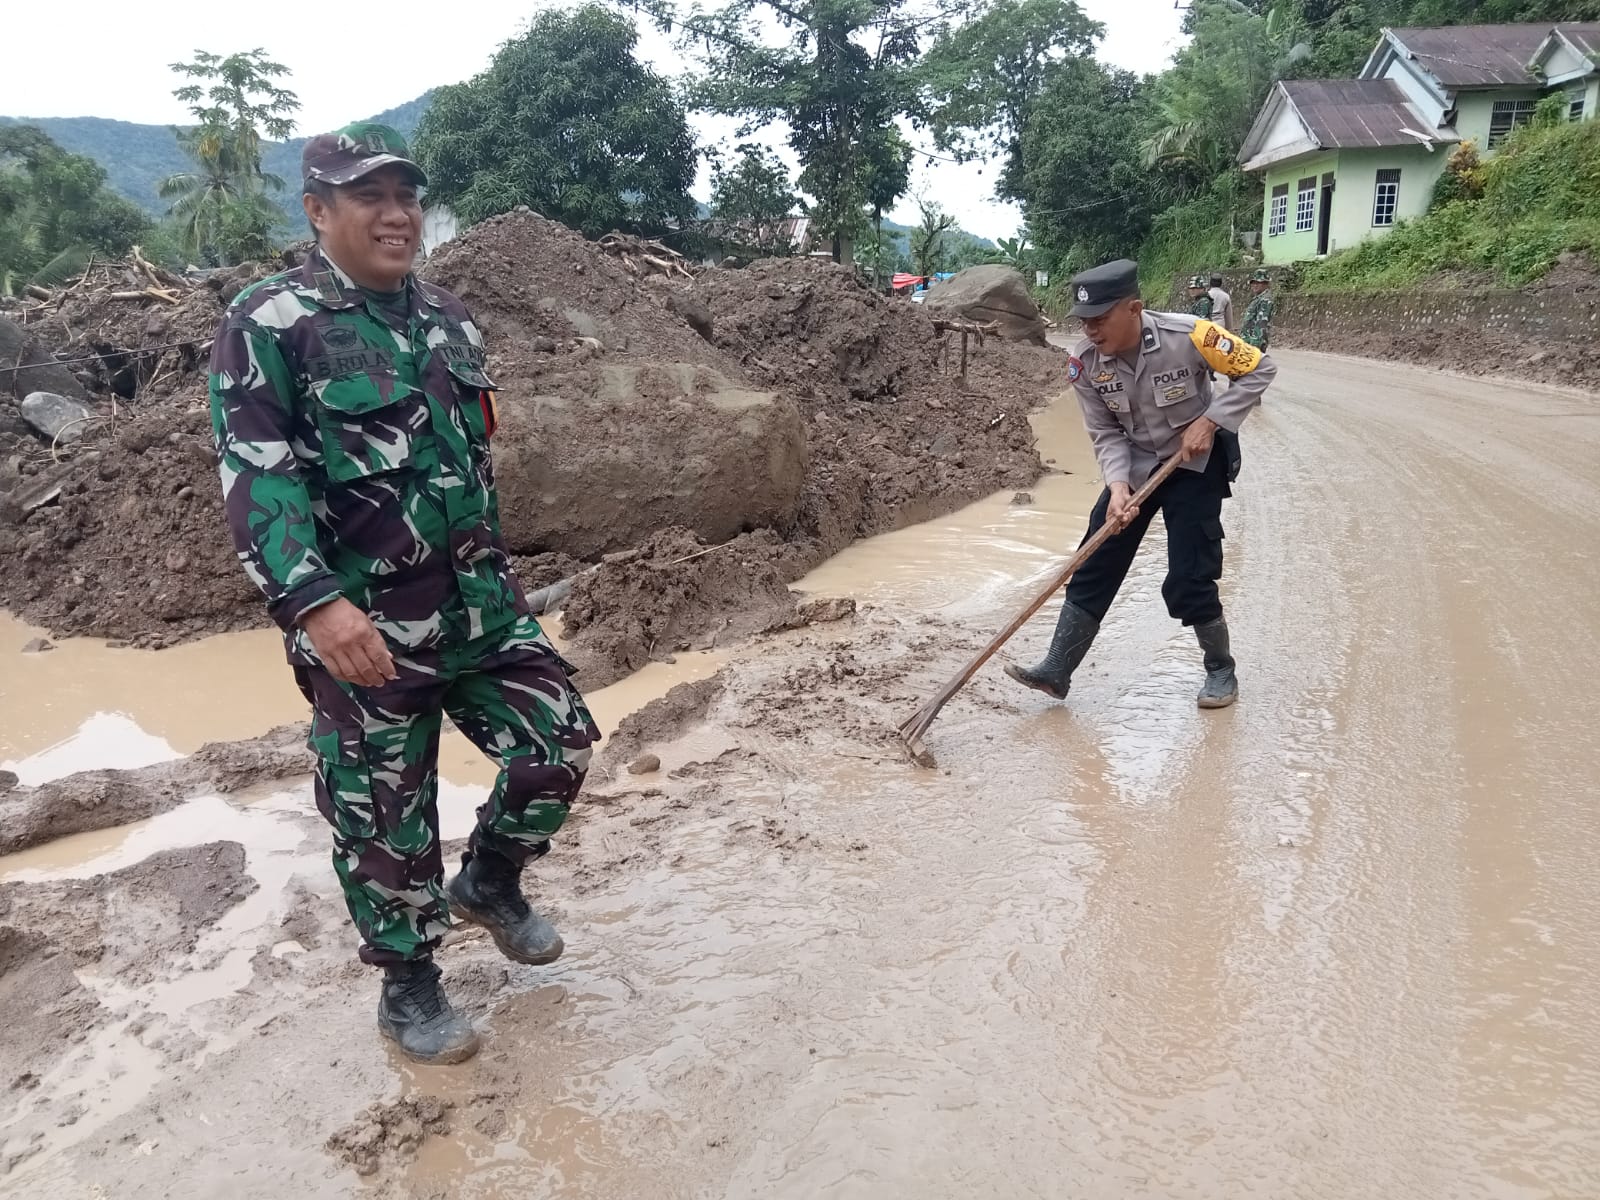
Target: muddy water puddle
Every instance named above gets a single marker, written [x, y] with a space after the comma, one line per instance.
[974, 557]
[86, 706]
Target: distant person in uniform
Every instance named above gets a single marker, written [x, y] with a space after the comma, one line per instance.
[1143, 380]
[353, 414]
[1199, 298]
[1221, 302]
[1257, 326]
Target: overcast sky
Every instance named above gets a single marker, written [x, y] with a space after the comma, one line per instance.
[93, 58]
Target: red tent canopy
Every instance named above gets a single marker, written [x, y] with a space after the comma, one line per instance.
[901, 280]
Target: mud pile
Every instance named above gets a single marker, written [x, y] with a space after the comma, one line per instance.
[781, 412]
[122, 534]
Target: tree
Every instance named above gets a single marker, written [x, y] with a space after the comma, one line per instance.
[751, 200]
[983, 78]
[841, 75]
[887, 176]
[221, 208]
[928, 239]
[1206, 103]
[235, 103]
[1083, 183]
[55, 211]
[567, 121]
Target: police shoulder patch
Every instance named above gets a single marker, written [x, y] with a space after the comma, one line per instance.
[1074, 368]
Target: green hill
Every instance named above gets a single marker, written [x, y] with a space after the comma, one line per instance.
[137, 157]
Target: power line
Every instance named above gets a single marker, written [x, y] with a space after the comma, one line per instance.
[140, 350]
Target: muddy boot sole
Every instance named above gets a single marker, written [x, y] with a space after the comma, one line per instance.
[444, 1058]
[1228, 700]
[1037, 685]
[458, 909]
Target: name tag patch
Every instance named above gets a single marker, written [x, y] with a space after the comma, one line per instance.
[367, 360]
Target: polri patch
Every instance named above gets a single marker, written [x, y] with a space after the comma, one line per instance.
[1074, 368]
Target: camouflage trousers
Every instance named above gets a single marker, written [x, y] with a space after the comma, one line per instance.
[377, 779]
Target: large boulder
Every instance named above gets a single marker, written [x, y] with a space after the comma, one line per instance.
[990, 293]
[39, 372]
[643, 445]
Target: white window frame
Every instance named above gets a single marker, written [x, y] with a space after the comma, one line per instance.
[1506, 117]
[1385, 198]
[1278, 211]
[1305, 205]
[1577, 100]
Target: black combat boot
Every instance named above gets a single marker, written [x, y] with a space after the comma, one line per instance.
[488, 892]
[414, 1012]
[1075, 630]
[1222, 686]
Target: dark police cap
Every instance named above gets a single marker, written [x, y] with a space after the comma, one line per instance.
[1100, 290]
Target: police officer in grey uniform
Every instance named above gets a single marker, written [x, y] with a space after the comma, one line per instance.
[1144, 382]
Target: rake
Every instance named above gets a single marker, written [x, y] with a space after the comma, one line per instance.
[912, 730]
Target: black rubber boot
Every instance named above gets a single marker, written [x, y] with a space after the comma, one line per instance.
[1222, 686]
[1075, 630]
[488, 892]
[414, 1012]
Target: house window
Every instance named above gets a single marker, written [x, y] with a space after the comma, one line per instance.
[1575, 100]
[1278, 218]
[1305, 205]
[1507, 115]
[1387, 197]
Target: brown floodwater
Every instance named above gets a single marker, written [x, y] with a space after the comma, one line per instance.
[1342, 940]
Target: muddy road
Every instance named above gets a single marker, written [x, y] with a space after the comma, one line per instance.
[1341, 940]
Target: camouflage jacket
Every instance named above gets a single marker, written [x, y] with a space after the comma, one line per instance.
[355, 459]
[1200, 307]
[1257, 323]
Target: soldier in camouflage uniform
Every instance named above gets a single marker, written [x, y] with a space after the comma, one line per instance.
[353, 415]
[1257, 328]
[1199, 298]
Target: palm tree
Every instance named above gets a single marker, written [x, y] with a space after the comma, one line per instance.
[224, 181]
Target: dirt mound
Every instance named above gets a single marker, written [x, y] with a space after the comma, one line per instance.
[90, 800]
[663, 718]
[786, 407]
[675, 593]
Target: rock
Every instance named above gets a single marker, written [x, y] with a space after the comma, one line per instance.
[693, 310]
[8, 781]
[39, 373]
[645, 764]
[640, 446]
[38, 646]
[1022, 499]
[55, 417]
[1538, 357]
[946, 445]
[990, 293]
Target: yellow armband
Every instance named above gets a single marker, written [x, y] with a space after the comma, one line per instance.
[1224, 352]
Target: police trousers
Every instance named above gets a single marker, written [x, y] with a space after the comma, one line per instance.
[377, 781]
[1190, 502]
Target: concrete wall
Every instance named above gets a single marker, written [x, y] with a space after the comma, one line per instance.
[1355, 190]
[1474, 109]
[1290, 246]
[1546, 314]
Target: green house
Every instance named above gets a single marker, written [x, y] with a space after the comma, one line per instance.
[1343, 160]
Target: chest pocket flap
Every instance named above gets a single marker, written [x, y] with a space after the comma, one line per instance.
[370, 423]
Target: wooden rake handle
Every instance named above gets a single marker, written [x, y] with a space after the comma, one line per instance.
[912, 731]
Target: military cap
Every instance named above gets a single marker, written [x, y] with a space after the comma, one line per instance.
[1197, 281]
[1098, 291]
[1259, 275]
[348, 154]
